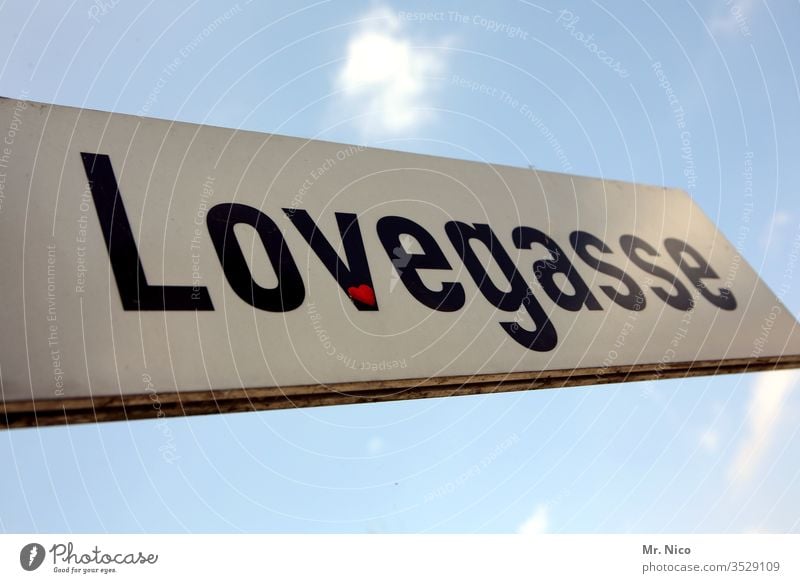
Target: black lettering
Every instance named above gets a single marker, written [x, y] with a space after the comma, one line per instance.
[681, 299]
[544, 337]
[451, 297]
[134, 290]
[290, 291]
[581, 241]
[697, 273]
[545, 271]
[353, 275]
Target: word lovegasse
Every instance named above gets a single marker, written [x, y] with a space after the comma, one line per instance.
[352, 271]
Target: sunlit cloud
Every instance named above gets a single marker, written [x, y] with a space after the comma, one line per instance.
[765, 411]
[732, 17]
[775, 232]
[538, 522]
[375, 445]
[709, 441]
[386, 77]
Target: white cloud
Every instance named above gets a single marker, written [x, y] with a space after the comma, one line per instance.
[385, 76]
[733, 16]
[766, 407]
[375, 445]
[536, 523]
[775, 234]
[781, 218]
[709, 440]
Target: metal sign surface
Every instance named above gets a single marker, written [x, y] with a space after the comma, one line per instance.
[153, 268]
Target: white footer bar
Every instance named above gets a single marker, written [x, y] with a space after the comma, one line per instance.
[401, 558]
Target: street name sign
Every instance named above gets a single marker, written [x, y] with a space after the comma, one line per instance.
[154, 268]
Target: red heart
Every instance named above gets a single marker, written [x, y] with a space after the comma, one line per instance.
[363, 294]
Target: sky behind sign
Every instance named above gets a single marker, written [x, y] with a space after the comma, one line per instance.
[698, 96]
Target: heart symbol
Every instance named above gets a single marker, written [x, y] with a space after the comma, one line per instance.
[363, 294]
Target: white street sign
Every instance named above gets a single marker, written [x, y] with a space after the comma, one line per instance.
[154, 268]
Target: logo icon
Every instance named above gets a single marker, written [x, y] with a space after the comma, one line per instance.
[31, 556]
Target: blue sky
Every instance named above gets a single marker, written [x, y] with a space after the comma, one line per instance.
[521, 84]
